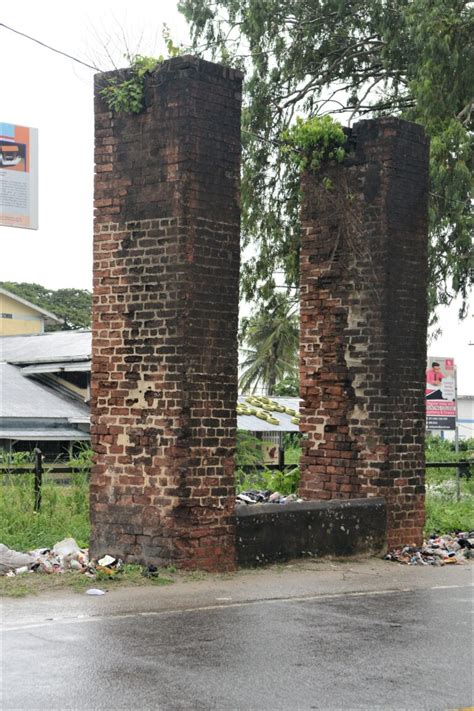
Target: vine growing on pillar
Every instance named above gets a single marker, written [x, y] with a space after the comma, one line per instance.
[310, 144]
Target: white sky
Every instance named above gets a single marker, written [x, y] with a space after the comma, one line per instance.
[44, 90]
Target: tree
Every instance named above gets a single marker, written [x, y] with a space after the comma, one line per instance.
[72, 305]
[270, 338]
[412, 58]
[289, 386]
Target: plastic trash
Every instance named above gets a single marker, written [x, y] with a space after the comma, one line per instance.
[12, 560]
[151, 571]
[66, 547]
[95, 591]
[107, 560]
[437, 550]
[23, 569]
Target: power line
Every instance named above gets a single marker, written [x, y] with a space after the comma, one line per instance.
[47, 46]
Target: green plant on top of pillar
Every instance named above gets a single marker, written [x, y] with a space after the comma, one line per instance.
[127, 95]
[312, 141]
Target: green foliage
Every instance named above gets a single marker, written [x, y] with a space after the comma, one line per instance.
[313, 141]
[285, 482]
[249, 450]
[292, 448]
[64, 513]
[439, 450]
[270, 338]
[16, 459]
[82, 458]
[447, 516]
[74, 306]
[289, 386]
[128, 94]
[411, 58]
[443, 513]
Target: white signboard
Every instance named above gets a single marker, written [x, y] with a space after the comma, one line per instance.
[18, 176]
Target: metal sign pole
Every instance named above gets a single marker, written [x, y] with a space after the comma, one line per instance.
[456, 435]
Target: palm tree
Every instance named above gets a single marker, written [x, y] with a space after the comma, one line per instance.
[270, 339]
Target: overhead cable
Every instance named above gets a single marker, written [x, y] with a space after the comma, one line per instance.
[47, 46]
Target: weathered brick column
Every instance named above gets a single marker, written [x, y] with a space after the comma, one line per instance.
[364, 322]
[164, 366]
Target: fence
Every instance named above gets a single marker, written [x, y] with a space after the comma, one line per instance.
[62, 473]
[56, 471]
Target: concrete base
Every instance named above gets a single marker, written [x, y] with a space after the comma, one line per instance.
[269, 533]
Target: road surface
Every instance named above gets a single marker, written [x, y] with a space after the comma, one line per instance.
[367, 635]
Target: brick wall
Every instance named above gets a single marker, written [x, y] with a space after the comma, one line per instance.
[363, 324]
[165, 312]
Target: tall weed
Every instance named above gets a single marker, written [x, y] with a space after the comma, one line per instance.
[64, 513]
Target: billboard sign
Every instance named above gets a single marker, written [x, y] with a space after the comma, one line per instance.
[18, 176]
[440, 394]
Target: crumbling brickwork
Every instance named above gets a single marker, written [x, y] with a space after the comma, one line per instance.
[165, 316]
[363, 324]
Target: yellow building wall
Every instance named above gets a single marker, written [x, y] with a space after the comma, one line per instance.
[24, 321]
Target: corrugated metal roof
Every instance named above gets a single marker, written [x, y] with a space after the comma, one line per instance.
[21, 397]
[44, 433]
[75, 367]
[58, 346]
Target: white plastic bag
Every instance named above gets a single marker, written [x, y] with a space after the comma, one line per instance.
[11, 560]
[67, 546]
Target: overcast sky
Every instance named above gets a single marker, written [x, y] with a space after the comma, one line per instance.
[46, 91]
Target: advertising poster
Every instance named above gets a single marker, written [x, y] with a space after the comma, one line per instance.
[18, 176]
[440, 394]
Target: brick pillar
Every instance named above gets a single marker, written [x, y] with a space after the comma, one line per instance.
[364, 322]
[165, 315]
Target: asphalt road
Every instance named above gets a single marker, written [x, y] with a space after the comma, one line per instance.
[379, 648]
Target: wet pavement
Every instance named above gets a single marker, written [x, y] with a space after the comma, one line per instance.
[353, 636]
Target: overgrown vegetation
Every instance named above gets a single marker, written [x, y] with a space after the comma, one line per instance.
[410, 58]
[313, 141]
[286, 482]
[64, 512]
[65, 509]
[126, 93]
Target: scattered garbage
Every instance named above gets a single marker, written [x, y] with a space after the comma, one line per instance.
[62, 557]
[108, 565]
[11, 560]
[150, 571]
[437, 550]
[257, 496]
[66, 547]
[95, 591]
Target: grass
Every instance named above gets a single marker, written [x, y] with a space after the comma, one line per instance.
[292, 455]
[65, 514]
[448, 516]
[34, 583]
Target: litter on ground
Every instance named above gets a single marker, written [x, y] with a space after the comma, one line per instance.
[63, 556]
[437, 550]
[257, 496]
